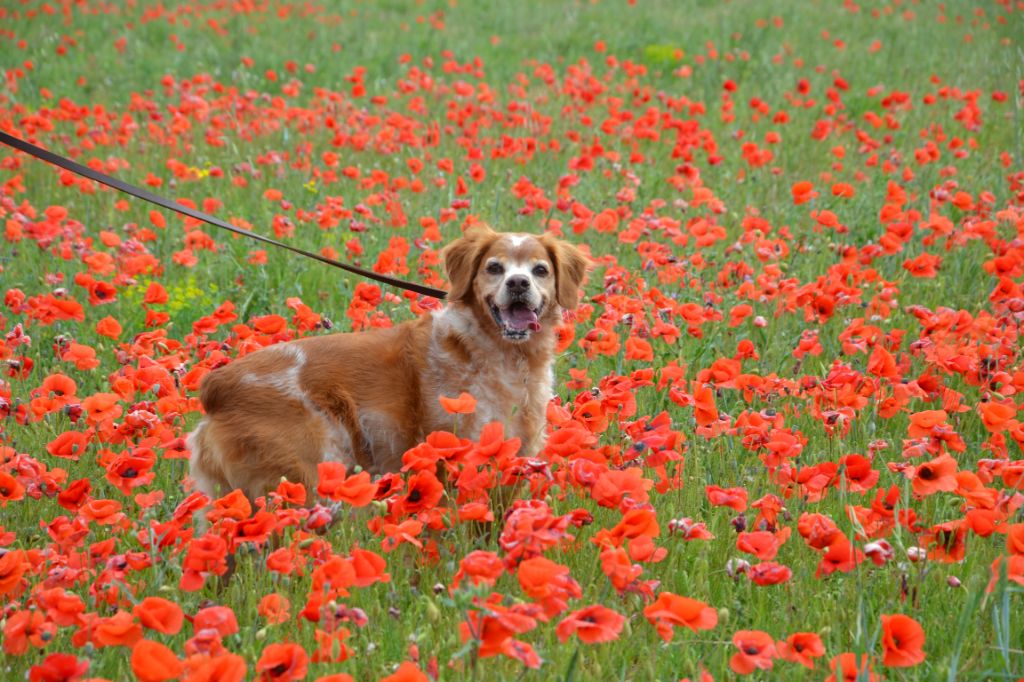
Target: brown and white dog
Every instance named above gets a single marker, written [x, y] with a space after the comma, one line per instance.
[365, 398]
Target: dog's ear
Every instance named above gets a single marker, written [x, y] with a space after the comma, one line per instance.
[462, 259]
[571, 266]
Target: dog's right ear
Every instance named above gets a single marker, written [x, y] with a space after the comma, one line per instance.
[462, 260]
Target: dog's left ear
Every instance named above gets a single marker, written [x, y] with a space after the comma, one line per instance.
[571, 266]
[462, 259]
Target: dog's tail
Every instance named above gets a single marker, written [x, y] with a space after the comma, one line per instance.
[216, 389]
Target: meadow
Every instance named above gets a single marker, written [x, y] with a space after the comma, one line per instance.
[784, 441]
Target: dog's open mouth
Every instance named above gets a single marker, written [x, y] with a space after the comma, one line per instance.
[516, 320]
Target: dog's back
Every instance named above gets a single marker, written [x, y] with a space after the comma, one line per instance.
[276, 413]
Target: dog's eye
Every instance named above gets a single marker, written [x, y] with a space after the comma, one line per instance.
[540, 270]
[495, 268]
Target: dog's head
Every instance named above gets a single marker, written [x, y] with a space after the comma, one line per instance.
[516, 283]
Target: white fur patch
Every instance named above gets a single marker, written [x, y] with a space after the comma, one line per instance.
[338, 447]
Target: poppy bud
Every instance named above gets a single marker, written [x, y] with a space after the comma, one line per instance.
[953, 581]
[736, 567]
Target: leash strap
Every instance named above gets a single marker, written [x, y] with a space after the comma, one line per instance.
[146, 195]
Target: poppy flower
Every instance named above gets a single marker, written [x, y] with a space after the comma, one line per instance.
[281, 662]
[736, 498]
[26, 628]
[936, 475]
[11, 490]
[946, 542]
[802, 648]
[59, 667]
[357, 490]
[218, 618]
[997, 416]
[368, 566]
[670, 609]
[548, 583]
[154, 662]
[846, 668]
[762, 544]
[902, 641]
[406, 672]
[803, 192]
[109, 327]
[769, 573]
[841, 555]
[1015, 539]
[117, 630]
[1014, 567]
[157, 613]
[704, 409]
[591, 624]
[481, 567]
[463, 404]
[423, 492]
[224, 667]
[756, 651]
[274, 608]
[922, 423]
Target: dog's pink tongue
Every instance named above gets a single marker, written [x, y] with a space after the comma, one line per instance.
[521, 317]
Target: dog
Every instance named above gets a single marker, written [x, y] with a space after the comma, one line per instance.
[365, 398]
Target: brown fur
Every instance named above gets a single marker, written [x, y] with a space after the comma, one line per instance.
[365, 398]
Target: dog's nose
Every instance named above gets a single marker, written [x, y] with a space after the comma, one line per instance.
[517, 284]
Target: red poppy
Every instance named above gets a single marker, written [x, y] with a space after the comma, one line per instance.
[802, 648]
[407, 672]
[463, 404]
[281, 662]
[803, 192]
[218, 618]
[481, 567]
[756, 651]
[839, 556]
[1014, 567]
[846, 668]
[934, 476]
[736, 498]
[159, 614]
[26, 628]
[1015, 539]
[769, 573]
[671, 609]
[274, 608]
[11, 490]
[117, 630]
[224, 667]
[762, 544]
[154, 662]
[548, 583]
[59, 667]
[357, 490]
[902, 641]
[423, 491]
[591, 624]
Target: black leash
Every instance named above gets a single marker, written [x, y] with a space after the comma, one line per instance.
[146, 195]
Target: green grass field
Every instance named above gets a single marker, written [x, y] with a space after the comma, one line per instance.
[807, 224]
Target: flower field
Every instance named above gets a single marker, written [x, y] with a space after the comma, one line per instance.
[787, 436]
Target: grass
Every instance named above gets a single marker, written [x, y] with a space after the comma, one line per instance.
[601, 57]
